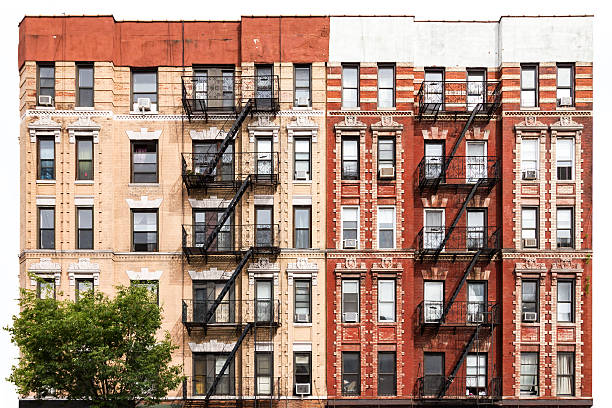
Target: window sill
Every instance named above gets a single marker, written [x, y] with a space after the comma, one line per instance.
[84, 108]
[84, 182]
[143, 185]
[302, 324]
[391, 108]
[144, 113]
[45, 181]
[302, 108]
[566, 108]
[302, 181]
[536, 108]
[45, 108]
[347, 108]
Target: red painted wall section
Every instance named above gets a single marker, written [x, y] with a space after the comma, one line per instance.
[215, 42]
[304, 39]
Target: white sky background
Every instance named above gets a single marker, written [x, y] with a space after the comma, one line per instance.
[13, 11]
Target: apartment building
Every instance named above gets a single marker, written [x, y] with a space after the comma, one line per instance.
[327, 217]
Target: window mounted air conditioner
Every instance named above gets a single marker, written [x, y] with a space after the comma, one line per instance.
[530, 243]
[301, 102]
[476, 317]
[530, 316]
[386, 172]
[350, 243]
[529, 175]
[301, 318]
[351, 317]
[301, 175]
[45, 100]
[302, 389]
[144, 104]
[565, 101]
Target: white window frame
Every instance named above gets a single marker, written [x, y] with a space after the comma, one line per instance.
[379, 301]
[572, 157]
[443, 226]
[482, 174]
[537, 165]
[386, 207]
[342, 219]
[342, 311]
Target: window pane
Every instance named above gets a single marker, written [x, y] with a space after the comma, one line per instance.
[47, 218]
[564, 149]
[528, 78]
[349, 98]
[302, 146]
[145, 221]
[85, 148]
[86, 77]
[386, 217]
[386, 290]
[528, 98]
[302, 77]
[564, 218]
[86, 97]
[564, 75]
[385, 149]
[302, 218]
[529, 290]
[145, 82]
[349, 77]
[385, 98]
[47, 149]
[565, 290]
[349, 149]
[528, 216]
[385, 77]
[349, 214]
[529, 149]
[46, 72]
[85, 216]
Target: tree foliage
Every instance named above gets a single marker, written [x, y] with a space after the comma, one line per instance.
[97, 349]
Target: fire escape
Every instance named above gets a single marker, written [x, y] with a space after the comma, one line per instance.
[224, 171]
[464, 177]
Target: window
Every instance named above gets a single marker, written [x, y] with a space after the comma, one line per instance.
[386, 157]
[386, 86]
[85, 85]
[302, 305]
[264, 310]
[565, 159]
[46, 80]
[45, 288]
[205, 294]
[205, 152]
[46, 158]
[84, 148]
[529, 227]
[434, 159]
[386, 300]
[263, 373]
[476, 229]
[206, 366]
[476, 87]
[264, 87]
[350, 227]
[144, 85]
[386, 373]
[434, 229]
[205, 222]
[565, 301]
[565, 85]
[302, 86]
[434, 86]
[84, 228]
[386, 227]
[350, 86]
[565, 227]
[301, 159]
[433, 301]
[264, 234]
[529, 373]
[302, 369]
[565, 373]
[530, 152]
[477, 302]
[434, 376]
[265, 165]
[46, 228]
[476, 374]
[529, 86]
[214, 88]
[476, 161]
[350, 301]
[350, 158]
[151, 285]
[530, 300]
[144, 162]
[351, 376]
[83, 286]
[144, 229]
[301, 234]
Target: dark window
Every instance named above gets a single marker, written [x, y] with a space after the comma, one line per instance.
[205, 152]
[476, 374]
[151, 285]
[301, 159]
[476, 229]
[302, 368]
[85, 85]
[350, 86]
[83, 286]
[529, 227]
[144, 85]
[264, 220]
[84, 158]
[301, 220]
[386, 300]
[46, 158]
[302, 305]
[46, 228]
[46, 80]
[302, 86]
[206, 366]
[529, 86]
[565, 373]
[565, 159]
[529, 373]
[386, 373]
[350, 158]
[263, 373]
[351, 373]
[214, 87]
[565, 227]
[205, 293]
[144, 162]
[45, 288]
[350, 300]
[434, 376]
[386, 86]
[434, 87]
[565, 85]
[144, 229]
[530, 300]
[565, 301]
[84, 228]
[386, 157]
[205, 222]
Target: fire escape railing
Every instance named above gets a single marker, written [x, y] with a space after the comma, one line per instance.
[458, 97]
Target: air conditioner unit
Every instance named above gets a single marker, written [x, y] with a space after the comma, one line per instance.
[301, 318]
[386, 172]
[351, 317]
[144, 104]
[45, 100]
[301, 101]
[529, 175]
[530, 316]
[350, 243]
[530, 243]
[476, 317]
[565, 101]
[302, 389]
[301, 175]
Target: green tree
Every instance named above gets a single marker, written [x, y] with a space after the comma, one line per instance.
[96, 349]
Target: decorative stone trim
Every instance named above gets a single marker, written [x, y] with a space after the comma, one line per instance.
[434, 133]
[210, 274]
[144, 202]
[302, 269]
[45, 200]
[211, 202]
[350, 123]
[213, 133]
[263, 200]
[302, 126]
[480, 274]
[546, 113]
[387, 124]
[83, 126]
[530, 123]
[143, 134]
[263, 127]
[264, 346]
[387, 268]
[84, 200]
[530, 264]
[434, 201]
[434, 273]
[144, 274]
[477, 134]
[84, 268]
[263, 268]
[212, 346]
[369, 113]
[302, 200]
[45, 269]
[45, 126]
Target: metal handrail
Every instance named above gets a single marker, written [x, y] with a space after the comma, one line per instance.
[459, 96]
[460, 239]
[232, 168]
[465, 387]
[261, 312]
[461, 170]
[461, 313]
[231, 238]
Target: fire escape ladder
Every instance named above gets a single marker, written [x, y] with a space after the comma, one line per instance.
[211, 311]
[448, 381]
[460, 285]
[231, 356]
[228, 211]
[229, 138]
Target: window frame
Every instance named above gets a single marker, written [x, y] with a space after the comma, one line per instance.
[537, 374]
[295, 87]
[270, 375]
[572, 376]
[343, 210]
[536, 229]
[476, 71]
[151, 70]
[46, 280]
[79, 229]
[478, 374]
[572, 228]
[295, 228]
[393, 229]
[441, 210]
[78, 67]
[572, 159]
[146, 283]
[309, 368]
[572, 84]
[435, 70]
[382, 375]
[357, 102]
[78, 140]
[535, 89]
[536, 141]
[378, 87]
[40, 229]
[39, 158]
[132, 173]
[386, 139]
[355, 139]
[357, 374]
[295, 159]
[40, 65]
[343, 307]
[229, 373]
[536, 303]
[393, 302]
[146, 210]
[295, 301]
[571, 302]
[76, 286]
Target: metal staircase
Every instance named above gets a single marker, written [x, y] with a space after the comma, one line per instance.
[448, 381]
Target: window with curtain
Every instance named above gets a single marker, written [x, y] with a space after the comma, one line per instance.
[263, 373]
[301, 160]
[386, 300]
[565, 227]
[476, 374]
[302, 86]
[302, 306]
[477, 302]
[46, 158]
[350, 158]
[350, 300]
[386, 154]
[144, 230]
[386, 86]
[84, 158]
[301, 234]
[529, 373]
[529, 227]
[144, 85]
[351, 375]
[350, 227]
[434, 229]
[565, 373]
[144, 162]
[565, 85]
[565, 301]
[350, 86]
[565, 159]
[529, 86]
[386, 227]
[530, 150]
[529, 299]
